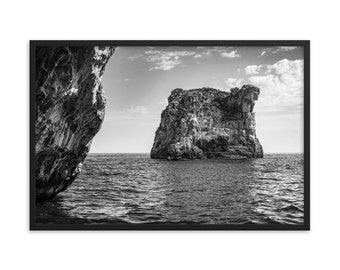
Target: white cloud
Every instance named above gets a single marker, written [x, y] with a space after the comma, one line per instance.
[163, 60]
[274, 50]
[232, 54]
[225, 52]
[253, 69]
[286, 66]
[167, 60]
[281, 84]
[137, 110]
[287, 48]
[234, 82]
[135, 57]
[239, 70]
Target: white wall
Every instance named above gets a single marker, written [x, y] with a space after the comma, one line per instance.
[24, 20]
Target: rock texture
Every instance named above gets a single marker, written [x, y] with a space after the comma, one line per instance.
[69, 111]
[208, 123]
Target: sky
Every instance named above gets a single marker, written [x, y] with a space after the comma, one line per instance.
[138, 80]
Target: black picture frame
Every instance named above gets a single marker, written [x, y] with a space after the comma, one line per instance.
[268, 43]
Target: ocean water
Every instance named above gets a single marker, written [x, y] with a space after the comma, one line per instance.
[133, 188]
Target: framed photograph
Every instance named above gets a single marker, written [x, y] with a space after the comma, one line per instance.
[170, 135]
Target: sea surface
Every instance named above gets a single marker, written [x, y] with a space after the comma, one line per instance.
[133, 188]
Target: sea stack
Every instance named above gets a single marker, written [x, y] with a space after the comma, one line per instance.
[69, 111]
[208, 123]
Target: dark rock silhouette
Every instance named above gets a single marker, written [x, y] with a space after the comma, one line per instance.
[69, 111]
[208, 123]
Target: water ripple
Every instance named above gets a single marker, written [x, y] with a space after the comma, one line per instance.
[132, 188]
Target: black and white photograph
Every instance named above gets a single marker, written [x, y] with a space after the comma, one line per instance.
[169, 135]
[197, 135]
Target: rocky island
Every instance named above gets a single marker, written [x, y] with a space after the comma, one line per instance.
[208, 123]
[69, 111]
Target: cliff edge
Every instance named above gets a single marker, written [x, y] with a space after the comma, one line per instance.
[208, 123]
[69, 111]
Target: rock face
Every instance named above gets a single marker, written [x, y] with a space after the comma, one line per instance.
[208, 123]
[69, 111]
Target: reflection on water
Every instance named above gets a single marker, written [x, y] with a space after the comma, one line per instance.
[132, 188]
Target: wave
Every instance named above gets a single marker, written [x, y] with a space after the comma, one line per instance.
[291, 208]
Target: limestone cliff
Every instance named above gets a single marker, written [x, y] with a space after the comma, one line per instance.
[208, 123]
[69, 111]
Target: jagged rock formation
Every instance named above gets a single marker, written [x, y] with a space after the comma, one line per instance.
[208, 123]
[69, 111]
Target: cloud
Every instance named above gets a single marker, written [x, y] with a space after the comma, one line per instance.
[234, 82]
[285, 66]
[163, 60]
[232, 54]
[225, 52]
[281, 84]
[253, 69]
[275, 50]
[135, 57]
[138, 110]
[167, 60]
